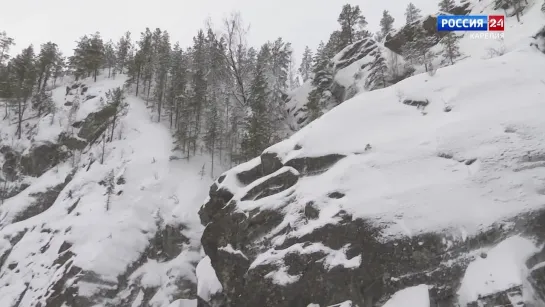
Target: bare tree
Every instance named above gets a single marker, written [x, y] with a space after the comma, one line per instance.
[235, 38]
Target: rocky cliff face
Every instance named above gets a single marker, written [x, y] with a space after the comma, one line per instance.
[427, 193]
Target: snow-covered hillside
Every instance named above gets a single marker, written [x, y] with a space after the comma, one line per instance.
[119, 232]
[431, 190]
[349, 80]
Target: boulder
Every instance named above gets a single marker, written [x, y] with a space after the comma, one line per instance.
[40, 158]
[96, 123]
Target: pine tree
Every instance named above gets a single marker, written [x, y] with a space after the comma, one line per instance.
[276, 57]
[417, 51]
[24, 73]
[46, 63]
[179, 75]
[293, 80]
[446, 6]
[110, 58]
[60, 65]
[306, 64]
[78, 62]
[412, 14]
[213, 129]
[110, 188]
[123, 48]
[543, 7]
[378, 77]
[5, 44]
[72, 113]
[95, 54]
[352, 24]
[219, 102]
[334, 45]
[88, 56]
[43, 102]
[386, 24]
[145, 60]
[199, 88]
[135, 68]
[257, 125]
[116, 100]
[451, 50]
[323, 77]
[162, 67]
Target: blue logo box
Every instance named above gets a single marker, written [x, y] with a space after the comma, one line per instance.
[462, 23]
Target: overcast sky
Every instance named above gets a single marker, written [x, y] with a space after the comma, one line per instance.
[301, 22]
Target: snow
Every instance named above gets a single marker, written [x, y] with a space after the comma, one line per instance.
[503, 268]
[296, 105]
[230, 181]
[343, 304]
[417, 296]
[229, 248]
[183, 303]
[17, 204]
[282, 277]
[106, 241]
[332, 259]
[208, 283]
[402, 182]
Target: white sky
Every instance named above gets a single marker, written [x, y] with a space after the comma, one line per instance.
[301, 22]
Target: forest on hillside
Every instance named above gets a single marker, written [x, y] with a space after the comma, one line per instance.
[218, 95]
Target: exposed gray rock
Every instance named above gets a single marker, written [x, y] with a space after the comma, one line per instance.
[333, 91]
[272, 185]
[11, 159]
[43, 201]
[385, 266]
[420, 104]
[41, 158]
[71, 142]
[96, 123]
[511, 297]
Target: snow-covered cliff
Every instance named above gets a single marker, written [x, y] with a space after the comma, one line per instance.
[98, 222]
[429, 192]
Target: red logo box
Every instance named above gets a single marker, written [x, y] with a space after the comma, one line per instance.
[496, 23]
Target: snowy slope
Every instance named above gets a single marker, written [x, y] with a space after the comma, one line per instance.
[143, 246]
[495, 118]
[426, 165]
[353, 79]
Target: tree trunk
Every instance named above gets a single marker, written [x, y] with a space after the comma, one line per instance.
[21, 110]
[137, 81]
[103, 149]
[212, 160]
[113, 126]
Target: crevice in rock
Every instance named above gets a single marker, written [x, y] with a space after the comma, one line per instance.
[272, 185]
[314, 165]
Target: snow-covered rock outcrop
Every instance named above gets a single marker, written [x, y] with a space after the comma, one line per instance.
[427, 182]
[350, 71]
